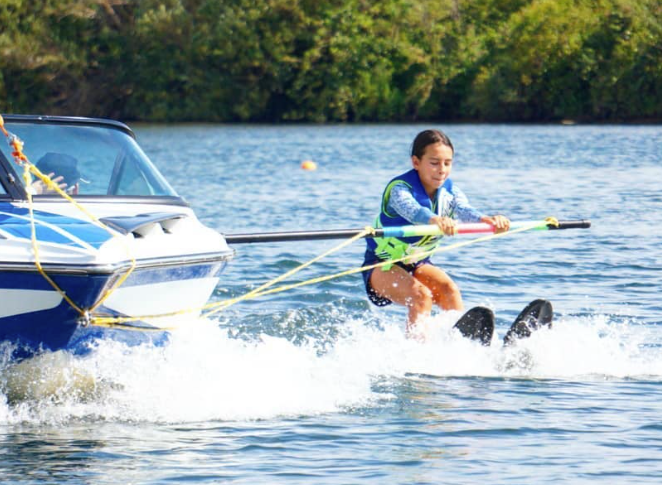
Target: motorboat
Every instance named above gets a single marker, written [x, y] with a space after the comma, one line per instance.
[114, 253]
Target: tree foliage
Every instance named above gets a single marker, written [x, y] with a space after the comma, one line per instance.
[333, 60]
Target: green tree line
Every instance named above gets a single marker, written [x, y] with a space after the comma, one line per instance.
[333, 60]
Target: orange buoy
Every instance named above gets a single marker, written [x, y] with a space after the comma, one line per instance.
[308, 165]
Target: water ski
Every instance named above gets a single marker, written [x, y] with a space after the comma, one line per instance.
[477, 324]
[537, 314]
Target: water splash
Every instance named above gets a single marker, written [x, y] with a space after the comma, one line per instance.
[206, 374]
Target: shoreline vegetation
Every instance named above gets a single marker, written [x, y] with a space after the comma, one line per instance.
[548, 61]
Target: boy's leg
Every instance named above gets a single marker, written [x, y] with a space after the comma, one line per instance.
[400, 287]
[445, 292]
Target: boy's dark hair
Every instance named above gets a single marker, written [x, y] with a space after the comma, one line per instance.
[429, 137]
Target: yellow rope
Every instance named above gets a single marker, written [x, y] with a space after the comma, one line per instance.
[252, 294]
[30, 168]
[35, 249]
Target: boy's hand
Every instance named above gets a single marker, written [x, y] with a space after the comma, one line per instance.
[446, 224]
[500, 223]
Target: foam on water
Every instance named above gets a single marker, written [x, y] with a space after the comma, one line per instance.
[205, 374]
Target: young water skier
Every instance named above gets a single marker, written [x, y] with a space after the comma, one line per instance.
[423, 195]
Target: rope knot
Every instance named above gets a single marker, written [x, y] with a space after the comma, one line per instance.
[85, 318]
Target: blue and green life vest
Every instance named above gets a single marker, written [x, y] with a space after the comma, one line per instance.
[396, 248]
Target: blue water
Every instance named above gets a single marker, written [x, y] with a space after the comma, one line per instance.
[314, 385]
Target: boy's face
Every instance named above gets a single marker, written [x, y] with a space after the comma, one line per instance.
[434, 167]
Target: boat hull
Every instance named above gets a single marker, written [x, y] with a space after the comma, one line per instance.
[34, 317]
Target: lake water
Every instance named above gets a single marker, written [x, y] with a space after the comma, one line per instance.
[314, 385]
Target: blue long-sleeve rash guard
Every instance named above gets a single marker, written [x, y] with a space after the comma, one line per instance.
[451, 203]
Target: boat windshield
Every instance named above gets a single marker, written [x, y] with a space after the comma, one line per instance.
[92, 160]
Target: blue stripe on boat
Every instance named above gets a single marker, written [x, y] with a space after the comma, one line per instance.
[13, 224]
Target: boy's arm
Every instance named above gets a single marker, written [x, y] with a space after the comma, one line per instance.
[403, 203]
[464, 211]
